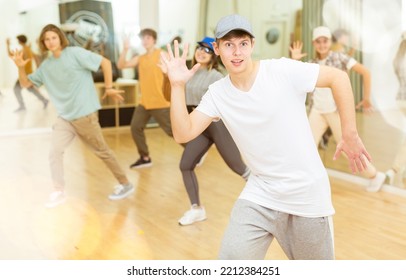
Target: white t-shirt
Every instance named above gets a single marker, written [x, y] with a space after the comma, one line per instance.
[323, 100]
[270, 127]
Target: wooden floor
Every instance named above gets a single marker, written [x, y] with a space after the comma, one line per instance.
[144, 226]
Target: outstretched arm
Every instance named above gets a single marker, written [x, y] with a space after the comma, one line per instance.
[20, 62]
[9, 51]
[122, 61]
[185, 127]
[351, 144]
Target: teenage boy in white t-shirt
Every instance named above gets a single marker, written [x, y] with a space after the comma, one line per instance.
[262, 103]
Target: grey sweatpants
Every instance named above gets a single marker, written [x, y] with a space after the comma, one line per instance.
[252, 228]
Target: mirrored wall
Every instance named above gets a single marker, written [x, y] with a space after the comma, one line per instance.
[375, 37]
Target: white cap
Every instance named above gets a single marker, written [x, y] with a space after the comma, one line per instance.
[321, 31]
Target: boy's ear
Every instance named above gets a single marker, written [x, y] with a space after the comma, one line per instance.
[215, 48]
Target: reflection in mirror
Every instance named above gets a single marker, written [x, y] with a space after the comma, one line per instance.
[373, 37]
[27, 18]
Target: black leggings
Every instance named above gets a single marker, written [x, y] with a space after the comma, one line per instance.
[215, 133]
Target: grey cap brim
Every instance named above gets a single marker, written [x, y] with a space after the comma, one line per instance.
[225, 32]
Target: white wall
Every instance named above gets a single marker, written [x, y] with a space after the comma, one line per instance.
[178, 17]
[127, 25]
[36, 18]
[9, 28]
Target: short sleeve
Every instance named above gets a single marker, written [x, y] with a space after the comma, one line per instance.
[345, 60]
[87, 59]
[303, 75]
[207, 106]
[351, 62]
[37, 77]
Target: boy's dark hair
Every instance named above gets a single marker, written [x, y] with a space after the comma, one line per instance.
[22, 39]
[235, 34]
[177, 38]
[57, 30]
[150, 32]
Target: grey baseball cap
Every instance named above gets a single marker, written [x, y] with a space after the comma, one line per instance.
[230, 23]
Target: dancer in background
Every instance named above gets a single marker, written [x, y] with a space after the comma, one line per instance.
[29, 56]
[153, 102]
[67, 75]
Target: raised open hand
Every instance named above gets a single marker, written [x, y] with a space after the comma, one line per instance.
[177, 71]
[126, 42]
[296, 50]
[17, 57]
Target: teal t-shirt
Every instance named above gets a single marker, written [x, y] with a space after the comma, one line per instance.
[68, 80]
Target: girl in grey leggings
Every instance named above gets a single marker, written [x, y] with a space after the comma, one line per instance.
[216, 133]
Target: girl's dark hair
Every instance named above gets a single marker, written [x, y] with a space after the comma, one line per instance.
[57, 30]
[213, 64]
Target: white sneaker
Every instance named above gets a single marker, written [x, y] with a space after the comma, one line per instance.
[376, 183]
[391, 176]
[121, 191]
[195, 214]
[55, 198]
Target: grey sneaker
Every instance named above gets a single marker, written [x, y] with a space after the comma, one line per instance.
[121, 191]
[55, 198]
[19, 109]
